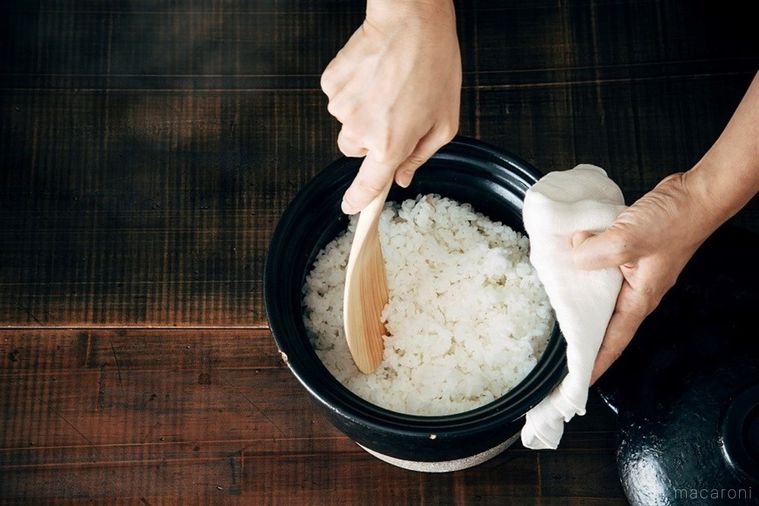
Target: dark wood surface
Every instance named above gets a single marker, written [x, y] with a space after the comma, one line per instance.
[146, 151]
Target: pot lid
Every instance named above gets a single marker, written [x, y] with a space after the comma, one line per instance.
[687, 388]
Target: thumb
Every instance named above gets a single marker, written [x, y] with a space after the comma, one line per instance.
[425, 148]
[591, 251]
[373, 176]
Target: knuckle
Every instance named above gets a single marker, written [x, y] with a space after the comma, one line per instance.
[326, 83]
[350, 199]
[343, 139]
[675, 179]
[383, 140]
[578, 238]
[448, 132]
[619, 247]
[328, 79]
[648, 291]
[415, 160]
[344, 148]
[383, 155]
[389, 147]
[349, 149]
[385, 147]
[367, 185]
[345, 109]
[334, 108]
[339, 110]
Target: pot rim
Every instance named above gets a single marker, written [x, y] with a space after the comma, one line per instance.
[334, 396]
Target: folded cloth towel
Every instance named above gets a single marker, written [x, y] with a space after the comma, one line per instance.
[556, 207]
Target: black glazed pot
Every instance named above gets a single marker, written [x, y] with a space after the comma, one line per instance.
[494, 182]
[687, 388]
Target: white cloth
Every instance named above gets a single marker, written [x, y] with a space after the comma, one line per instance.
[556, 207]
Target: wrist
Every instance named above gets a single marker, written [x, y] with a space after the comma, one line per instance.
[717, 191]
[710, 210]
[727, 177]
[391, 11]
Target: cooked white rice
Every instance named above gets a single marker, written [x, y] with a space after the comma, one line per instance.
[467, 316]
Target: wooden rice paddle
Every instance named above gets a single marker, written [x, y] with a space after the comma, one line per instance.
[366, 289]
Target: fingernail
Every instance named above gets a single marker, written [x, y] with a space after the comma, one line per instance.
[578, 238]
[347, 208]
[404, 179]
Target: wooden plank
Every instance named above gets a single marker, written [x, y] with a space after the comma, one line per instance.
[146, 413]
[70, 352]
[143, 43]
[601, 35]
[125, 406]
[162, 215]
[126, 387]
[115, 405]
[639, 131]
[149, 148]
[158, 204]
[581, 501]
[586, 474]
[203, 47]
[284, 477]
[288, 476]
[274, 471]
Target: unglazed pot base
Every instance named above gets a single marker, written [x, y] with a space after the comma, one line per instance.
[445, 466]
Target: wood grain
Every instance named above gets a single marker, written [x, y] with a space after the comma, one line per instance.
[177, 413]
[147, 150]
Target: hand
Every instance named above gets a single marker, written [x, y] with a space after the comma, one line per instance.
[395, 87]
[651, 242]
[653, 239]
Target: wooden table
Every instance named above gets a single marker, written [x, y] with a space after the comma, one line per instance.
[146, 151]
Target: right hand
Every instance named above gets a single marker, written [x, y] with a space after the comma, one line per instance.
[654, 238]
[650, 242]
[395, 87]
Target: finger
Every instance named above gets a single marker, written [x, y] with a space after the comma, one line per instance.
[339, 71]
[580, 237]
[598, 251]
[342, 105]
[330, 82]
[335, 76]
[619, 333]
[425, 148]
[372, 178]
[342, 69]
[349, 145]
